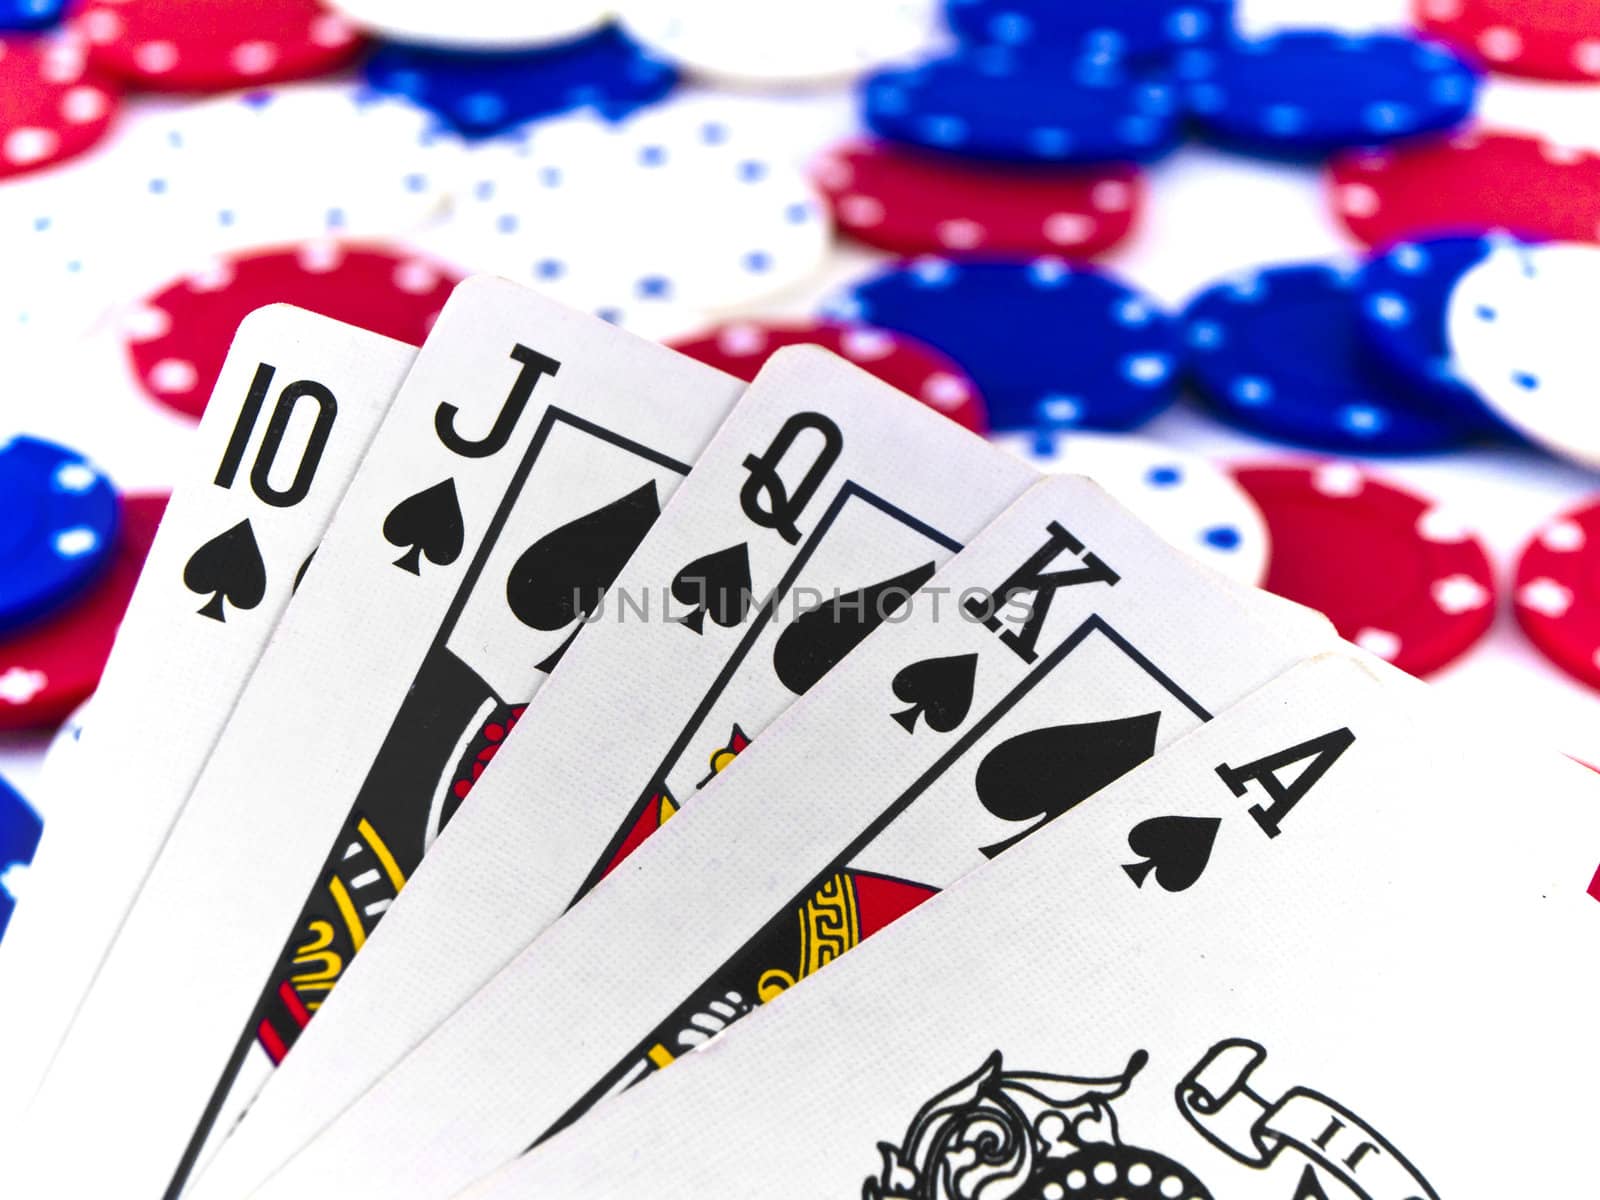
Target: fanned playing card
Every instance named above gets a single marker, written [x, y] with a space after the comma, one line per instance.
[1335, 945]
[295, 406]
[527, 454]
[1086, 644]
[810, 520]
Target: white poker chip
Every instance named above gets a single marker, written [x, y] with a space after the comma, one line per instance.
[1521, 325]
[191, 181]
[782, 41]
[292, 163]
[62, 749]
[1187, 499]
[476, 24]
[673, 209]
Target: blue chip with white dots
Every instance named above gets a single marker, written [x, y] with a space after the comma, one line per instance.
[1052, 346]
[1312, 92]
[58, 527]
[1192, 502]
[1101, 28]
[28, 16]
[20, 830]
[996, 103]
[1280, 352]
[482, 94]
[1404, 296]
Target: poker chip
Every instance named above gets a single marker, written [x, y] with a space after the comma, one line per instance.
[1098, 28]
[1404, 300]
[993, 102]
[53, 106]
[742, 347]
[20, 831]
[1190, 501]
[485, 93]
[178, 337]
[1547, 39]
[1279, 352]
[208, 45]
[1050, 345]
[212, 177]
[58, 526]
[50, 666]
[1468, 184]
[900, 200]
[26, 16]
[1393, 572]
[1314, 91]
[1521, 327]
[1557, 595]
[736, 42]
[63, 747]
[475, 24]
[673, 209]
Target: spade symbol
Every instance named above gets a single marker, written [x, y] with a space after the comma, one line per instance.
[229, 567]
[1310, 1186]
[718, 584]
[817, 640]
[1038, 775]
[429, 523]
[563, 575]
[1177, 849]
[938, 689]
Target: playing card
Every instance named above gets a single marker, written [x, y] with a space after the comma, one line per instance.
[810, 516]
[527, 454]
[1069, 643]
[295, 406]
[1284, 959]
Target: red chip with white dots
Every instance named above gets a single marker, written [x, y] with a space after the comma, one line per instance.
[52, 104]
[178, 337]
[49, 667]
[741, 348]
[1547, 39]
[910, 203]
[210, 45]
[1468, 184]
[1393, 572]
[1558, 592]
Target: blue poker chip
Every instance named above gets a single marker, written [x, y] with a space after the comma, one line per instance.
[1051, 346]
[58, 527]
[1312, 92]
[20, 829]
[484, 94]
[992, 102]
[1100, 28]
[28, 16]
[1404, 296]
[1280, 353]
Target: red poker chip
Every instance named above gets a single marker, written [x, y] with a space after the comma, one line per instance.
[741, 348]
[1547, 39]
[1388, 568]
[52, 105]
[1558, 592]
[1469, 184]
[49, 667]
[178, 337]
[911, 203]
[207, 45]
